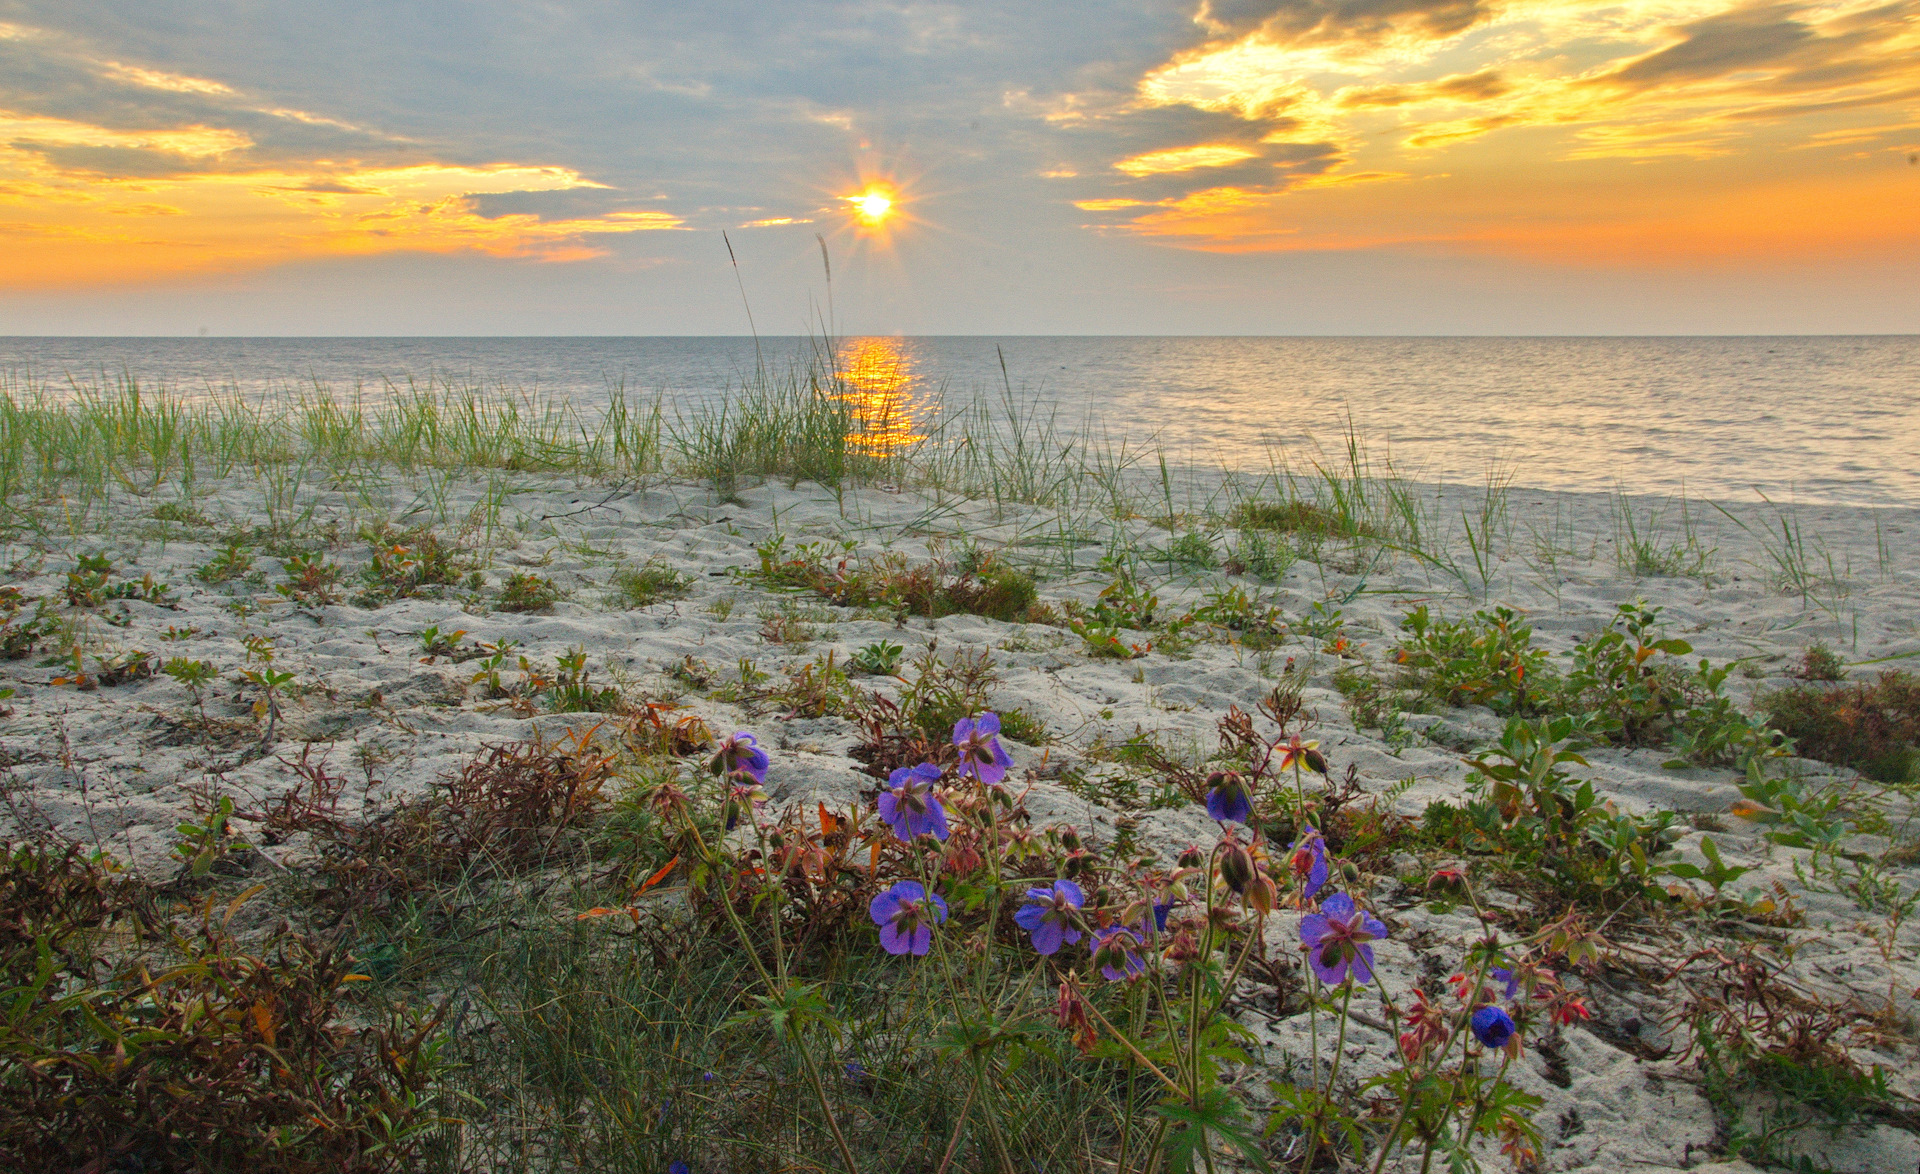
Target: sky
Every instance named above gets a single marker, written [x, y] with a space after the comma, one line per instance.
[510, 167]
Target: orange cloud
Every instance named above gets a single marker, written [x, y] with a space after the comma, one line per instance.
[66, 226]
[1178, 159]
[1525, 104]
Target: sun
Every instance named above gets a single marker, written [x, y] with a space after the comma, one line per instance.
[873, 205]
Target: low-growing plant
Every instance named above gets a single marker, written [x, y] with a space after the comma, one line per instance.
[206, 840]
[1773, 1058]
[116, 668]
[513, 808]
[1627, 678]
[1819, 663]
[194, 676]
[311, 579]
[233, 561]
[650, 583]
[785, 626]
[435, 644]
[878, 659]
[91, 584]
[407, 563]
[271, 682]
[1871, 726]
[572, 690]
[19, 638]
[1524, 805]
[1106, 639]
[1254, 619]
[1298, 516]
[527, 593]
[977, 583]
[1487, 660]
[222, 1059]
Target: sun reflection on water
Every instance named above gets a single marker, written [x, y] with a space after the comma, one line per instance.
[877, 378]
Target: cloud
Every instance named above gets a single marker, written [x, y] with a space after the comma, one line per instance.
[161, 80]
[1176, 159]
[1460, 87]
[1299, 22]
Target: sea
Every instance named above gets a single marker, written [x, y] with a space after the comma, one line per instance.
[1831, 419]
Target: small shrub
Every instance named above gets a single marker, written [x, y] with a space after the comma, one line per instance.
[1873, 727]
[1486, 660]
[650, 583]
[979, 583]
[408, 563]
[1819, 663]
[91, 584]
[527, 593]
[878, 659]
[311, 579]
[1626, 679]
[231, 563]
[20, 637]
[1544, 821]
[572, 689]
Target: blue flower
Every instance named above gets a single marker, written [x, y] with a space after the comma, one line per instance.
[1115, 952]
[678, 1167]
[1049, 915]
[740, 754]
[1227, 797]
[981, 756]
[909, 805]
[1503, 975]
[1336, 939]
[1492, 1026]
[906, 915]
[1160, 911]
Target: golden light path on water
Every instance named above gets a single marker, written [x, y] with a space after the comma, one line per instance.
[876, 376]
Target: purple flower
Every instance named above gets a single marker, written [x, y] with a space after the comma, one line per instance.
[1160, 911]
[980, 754]
[679, 1167]
[1499, 974]
[1115, 952]
[910, 807]
[1049, 915]
[1307, 861]
[740, 754]
[1227, 797]
[1336, 939]
[906, 915]
[1492, 1026]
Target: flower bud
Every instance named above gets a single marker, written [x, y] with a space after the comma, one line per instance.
[1070, 838]
[1261, 894]
[1350, 872]
[1236, 867]
[1077, 864]
[1191, 857]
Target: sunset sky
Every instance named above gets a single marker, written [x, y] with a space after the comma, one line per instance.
[1105, 166]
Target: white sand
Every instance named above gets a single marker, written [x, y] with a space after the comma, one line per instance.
[109, 766]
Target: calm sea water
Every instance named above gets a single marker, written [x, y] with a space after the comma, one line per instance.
[1834, 419]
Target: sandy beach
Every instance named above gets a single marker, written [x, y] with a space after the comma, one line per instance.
[118, 767]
